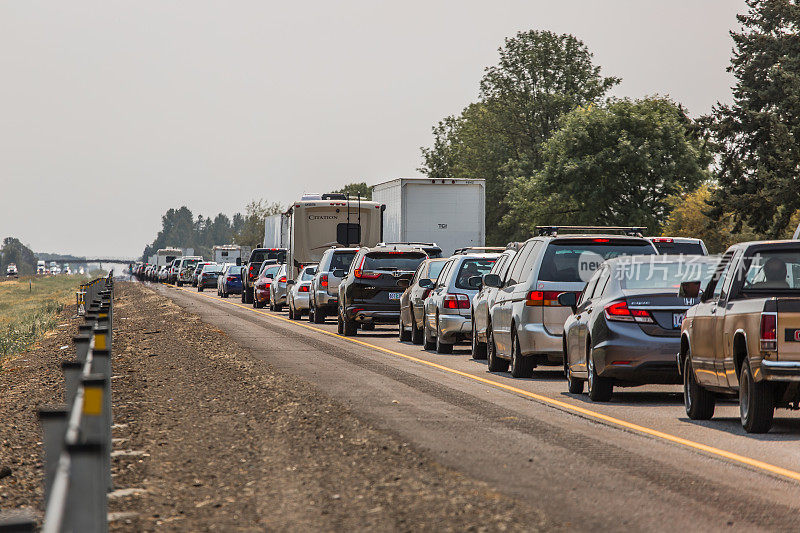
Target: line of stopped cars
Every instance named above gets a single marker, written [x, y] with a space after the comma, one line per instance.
[609, 306]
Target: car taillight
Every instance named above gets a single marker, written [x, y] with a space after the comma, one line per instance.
[360, 273]
[619, 311]
[323, 281]
[303, 288]
[663, 239]
[456, 301]
[282, 280]
[769, 332]
[231, 278]
[542, 298]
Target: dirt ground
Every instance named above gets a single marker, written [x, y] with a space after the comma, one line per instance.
[208, 438]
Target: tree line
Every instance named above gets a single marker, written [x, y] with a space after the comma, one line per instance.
[555, 148]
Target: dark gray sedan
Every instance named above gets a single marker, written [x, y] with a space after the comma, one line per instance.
[625, 326]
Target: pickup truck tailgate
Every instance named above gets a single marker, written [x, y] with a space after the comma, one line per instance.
[788, 329]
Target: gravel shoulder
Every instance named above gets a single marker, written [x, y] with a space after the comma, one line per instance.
[209, 438]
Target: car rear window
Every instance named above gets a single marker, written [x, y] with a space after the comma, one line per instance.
[393, 261]
[273, 269]
[575, 260]
[676, 248]
[259, 256]
[659, 274]
[342, 260]
[470, 268]
[234, 270]
[435, 268]
[773, 269]
[212, 268]
[308, 274]
[191, 263]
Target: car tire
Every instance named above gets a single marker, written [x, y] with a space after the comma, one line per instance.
[427, 342]
[521, 367]
[495, 363]
[199, 288]
[225, 295]
[278, 308]
[319, 316]
[478, 347]
[350, 327]
[291, 312]
[600, 389]
[404, 335]
[339, 324]
[244, 300]
[699, 402]
[574, 385]
[178, 284]
[257, 304]
[442, 347]
[416, 333]
[756, 402]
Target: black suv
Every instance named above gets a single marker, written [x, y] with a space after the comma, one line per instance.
[253, 267]
[370, 294]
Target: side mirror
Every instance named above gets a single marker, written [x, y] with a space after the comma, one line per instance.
[339, 273]
[568, 299]
[426, 283]
[403, 283]
[689, 289]
[492, 280]
[289, 282]
[475, 282]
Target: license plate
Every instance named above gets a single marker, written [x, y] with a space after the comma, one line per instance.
[395, 295]
[677, 320]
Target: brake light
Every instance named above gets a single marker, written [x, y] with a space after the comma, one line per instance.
[303, 288]
[619, 311]
[282, 280]
[231, 278]
[365, 274]
[769, 332]
[542, 298]
[600, 240]
[456, 301]
[323, 281]
[663, 239]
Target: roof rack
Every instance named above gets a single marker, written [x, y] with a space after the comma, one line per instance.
[552, 231]
[478, 249]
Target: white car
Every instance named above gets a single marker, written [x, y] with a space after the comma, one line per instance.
[299, 290]
[11, 270]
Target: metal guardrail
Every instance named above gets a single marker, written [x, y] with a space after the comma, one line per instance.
[77, 435]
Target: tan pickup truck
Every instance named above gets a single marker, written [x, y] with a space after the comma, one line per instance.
[744, 336]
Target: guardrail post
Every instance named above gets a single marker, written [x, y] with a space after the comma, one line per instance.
[72, 376]
[94, 421]
[101, 365]
[53, 420]
[86, 505]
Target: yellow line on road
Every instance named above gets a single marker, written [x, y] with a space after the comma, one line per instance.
[754, 463]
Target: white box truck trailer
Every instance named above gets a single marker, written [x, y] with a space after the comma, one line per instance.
[448, 212]
[276, 231]
[165, 256]
[229, 253]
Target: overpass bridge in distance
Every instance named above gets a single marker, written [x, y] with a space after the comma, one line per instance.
[82, 260]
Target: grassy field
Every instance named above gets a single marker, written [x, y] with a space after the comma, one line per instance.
[28, 308]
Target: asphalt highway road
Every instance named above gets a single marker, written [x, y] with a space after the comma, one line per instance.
[635, 463]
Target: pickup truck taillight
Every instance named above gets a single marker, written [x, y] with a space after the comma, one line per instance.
[456, 301]
[303, 288]
[323, 281]
[542, 298]
[619, 311]
[769, 332]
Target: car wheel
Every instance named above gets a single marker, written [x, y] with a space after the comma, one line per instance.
[319, 316]
[478, 348]
[699, 402]
[199, 288]
[427, 342]
[441, 347]
[310, 313]
[756, 402]
[521, 367]
[495, 363]
[350, 327]
[278, 308]
[179, 284]
[225, 294]
[339, 324]
[600, 389]
[404, 335]
[291, 312]
[574, 385]
[244, 300]
[416, 333]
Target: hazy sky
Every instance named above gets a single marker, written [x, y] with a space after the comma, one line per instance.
[112, 112]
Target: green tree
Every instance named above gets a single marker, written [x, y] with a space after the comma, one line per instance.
[613, 165]
[759, 134]
[689, 217]
[540, 76]
[252, 230]
[13, 251]
[357, 189]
